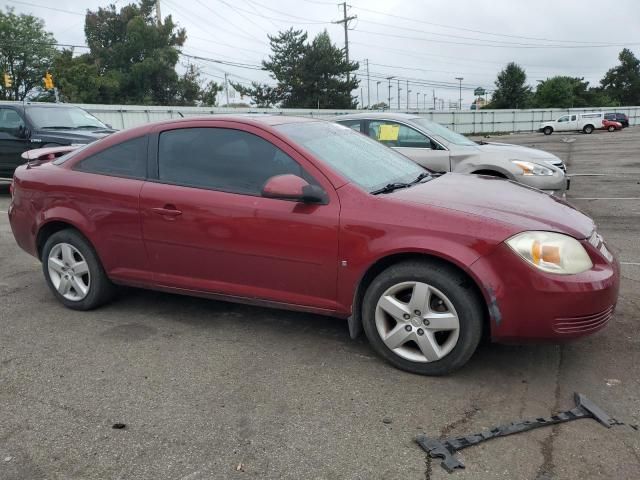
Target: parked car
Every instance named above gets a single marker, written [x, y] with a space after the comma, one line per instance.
[618, 117]
[442, 150]
[309, 215]
[24, 126]
[574, 122]
[611, 125]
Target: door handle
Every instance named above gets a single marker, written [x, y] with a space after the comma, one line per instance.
[169, 211]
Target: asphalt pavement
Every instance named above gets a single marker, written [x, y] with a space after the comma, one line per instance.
[214, 390]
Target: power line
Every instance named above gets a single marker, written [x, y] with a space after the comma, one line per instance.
[46, 7]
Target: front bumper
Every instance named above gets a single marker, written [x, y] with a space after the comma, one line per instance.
[556, 184]
[526, 304]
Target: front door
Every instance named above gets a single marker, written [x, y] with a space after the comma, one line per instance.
[12, 143]
[411, 143]
[567, 123]
[207, 228]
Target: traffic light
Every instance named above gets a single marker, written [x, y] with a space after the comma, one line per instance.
[48, 81]
[8, 81]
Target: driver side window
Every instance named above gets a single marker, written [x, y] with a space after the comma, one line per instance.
[10, 120]
[395, 134]
[563, 119]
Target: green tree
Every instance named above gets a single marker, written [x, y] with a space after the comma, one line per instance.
[511, 90]
[26, 52]
[262, 94]
[131, 60]
[209, 94]
[308, 75]
[568, 92]
[622, 83]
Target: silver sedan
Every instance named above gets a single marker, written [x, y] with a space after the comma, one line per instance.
[437, 148]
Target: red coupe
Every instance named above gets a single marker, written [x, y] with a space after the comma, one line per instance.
[611, 125]
[309, 215]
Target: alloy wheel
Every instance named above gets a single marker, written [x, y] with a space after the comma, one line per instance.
[417, 322]
[69, 272]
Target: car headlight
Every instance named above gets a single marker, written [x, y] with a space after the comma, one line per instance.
[551, 252]
[530, 168]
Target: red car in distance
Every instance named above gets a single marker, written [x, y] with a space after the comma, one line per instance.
[611, 125]
[309, 215]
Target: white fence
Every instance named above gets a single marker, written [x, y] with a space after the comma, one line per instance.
[463, 121]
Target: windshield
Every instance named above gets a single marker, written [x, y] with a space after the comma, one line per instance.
[360, 159]
[62, 117]
[443, 132]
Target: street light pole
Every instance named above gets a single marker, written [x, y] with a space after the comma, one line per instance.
[377, 92]
[389, 104]
[460, 98]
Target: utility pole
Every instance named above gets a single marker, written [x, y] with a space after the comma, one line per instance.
[460, 99]
[434, 98]
[408, 92]
[345, 21]
[226, 88]
[424, 101]
[158, 14]
[377, 95]
[368, 85]
[389, 104]
[361, 99]
[399, 90]
[417, 100]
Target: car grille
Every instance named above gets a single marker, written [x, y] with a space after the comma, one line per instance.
[559, 165]
[583, 324]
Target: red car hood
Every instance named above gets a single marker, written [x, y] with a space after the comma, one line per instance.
[523, 207]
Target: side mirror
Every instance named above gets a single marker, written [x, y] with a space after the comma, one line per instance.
[23, 132]
[292, 187]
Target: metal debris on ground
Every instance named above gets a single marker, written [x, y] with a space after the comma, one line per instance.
[446, 449]
[119, 426]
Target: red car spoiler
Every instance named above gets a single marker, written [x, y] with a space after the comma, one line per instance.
[48, 153]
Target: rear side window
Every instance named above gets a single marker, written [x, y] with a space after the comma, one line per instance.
[352, 124]
[221, 159]
[610, 116]
[127, 159]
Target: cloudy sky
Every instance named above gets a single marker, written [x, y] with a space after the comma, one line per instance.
[425, 42]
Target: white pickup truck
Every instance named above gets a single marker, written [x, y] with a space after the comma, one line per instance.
[574, 122]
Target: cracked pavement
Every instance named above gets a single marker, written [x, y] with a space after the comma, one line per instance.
[205, 386]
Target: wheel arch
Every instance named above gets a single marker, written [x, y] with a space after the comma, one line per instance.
[52, 226]
[381, 264]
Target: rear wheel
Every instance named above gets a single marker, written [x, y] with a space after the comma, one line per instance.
[588, 129]
[547, 130]
[423, 317]
[611, 128]
[74, 272]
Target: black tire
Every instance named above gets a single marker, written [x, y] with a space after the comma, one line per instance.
[588, 129]
[459, 290]
[611, 128]
[547, 130]
[101, 290]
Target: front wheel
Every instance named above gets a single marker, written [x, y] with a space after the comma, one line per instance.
[423, 317]
[611, 128]
[73, 271]
[547, 130]
[588, 129]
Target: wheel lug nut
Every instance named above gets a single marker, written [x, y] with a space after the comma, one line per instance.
[426, 322]
[420, 331]
[406, 316]
[408, 328]
[417, 313]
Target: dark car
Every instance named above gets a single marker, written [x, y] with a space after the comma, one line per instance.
[25, 126]
[309, 215]
[618, 117]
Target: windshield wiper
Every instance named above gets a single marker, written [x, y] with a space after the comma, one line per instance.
[420, 177]
[57, 127]
[390, 187]
[93, 127]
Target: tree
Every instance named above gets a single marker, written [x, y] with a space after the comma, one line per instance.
[131, 60]
[569, 92]
[511, 88]
[26, 52]
[622, 83]
[262, 94]
[209, 94]
[309, 75]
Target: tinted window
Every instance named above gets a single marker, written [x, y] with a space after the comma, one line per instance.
[221, 159]
[9, 119]
[610, 116]
[396, 134]
[126, 159]
[573, 117]
[563, 119]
